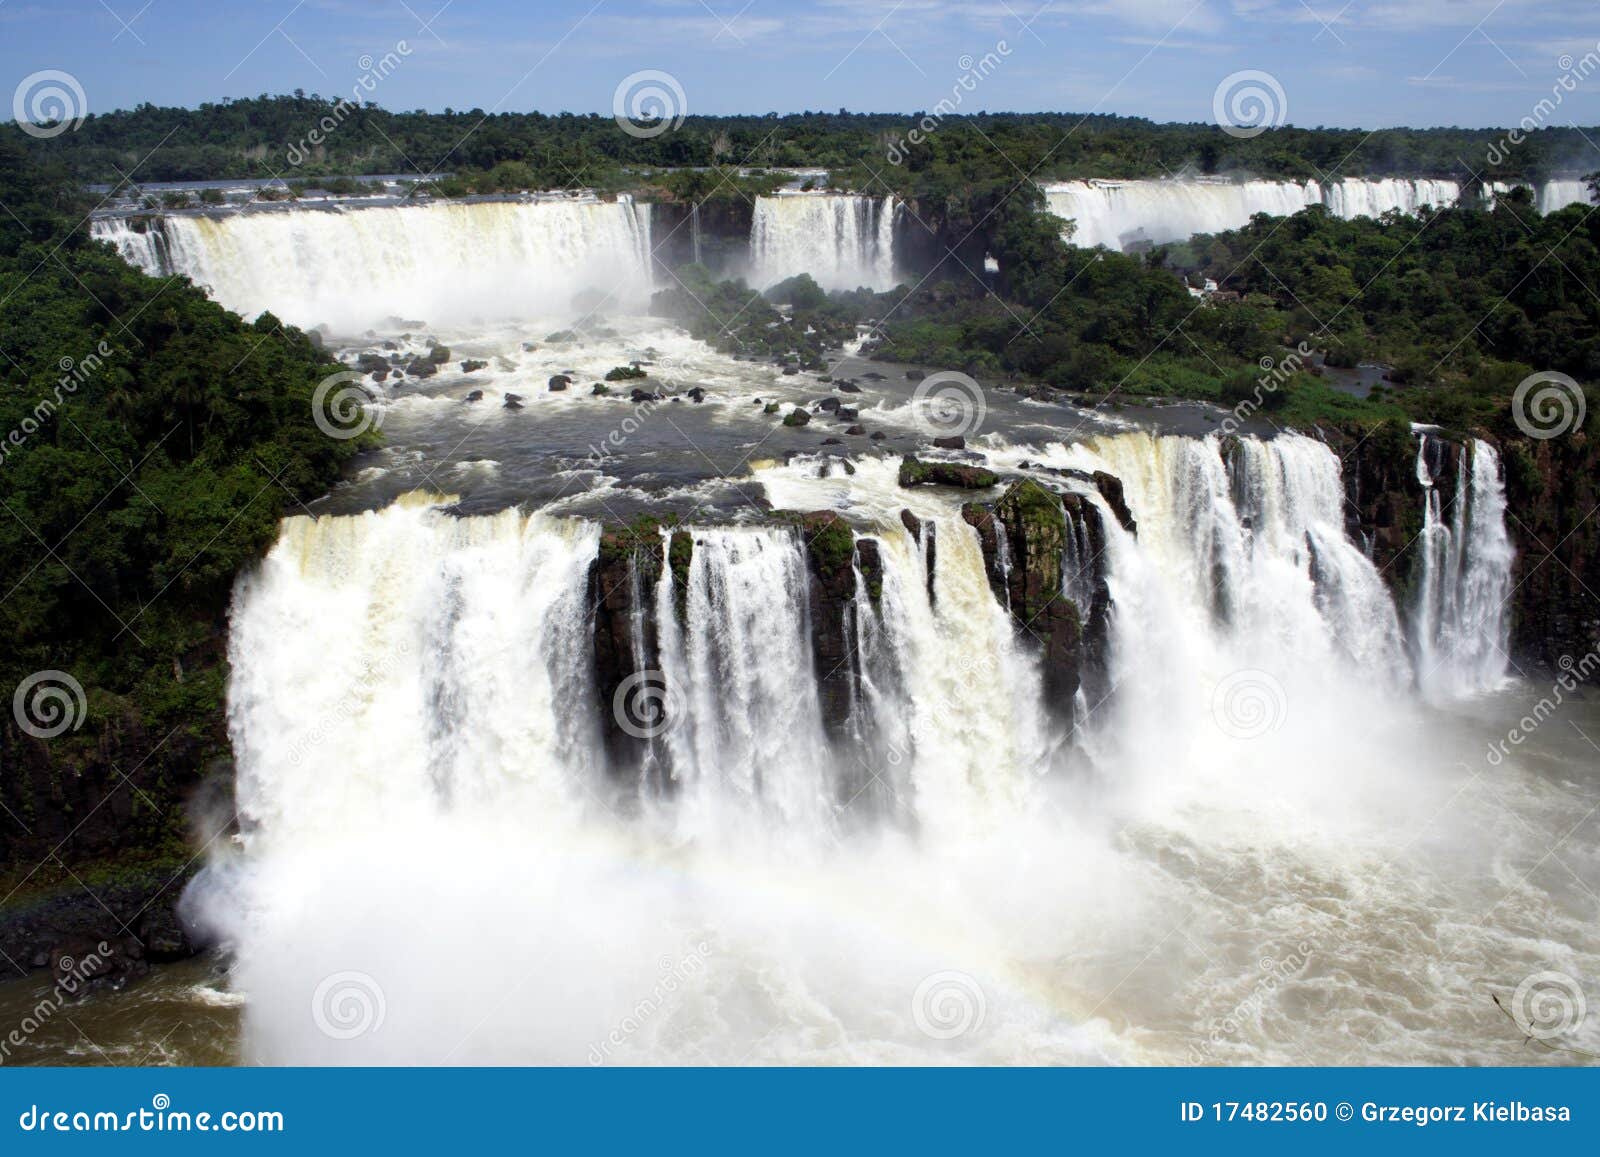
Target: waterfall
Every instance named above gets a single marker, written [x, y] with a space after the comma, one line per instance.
[141, 242]
[1119, 213]
[1558, 193]
[352, 268]
[449, 655]
[416, 710]
[845, 242]
[1460, 627]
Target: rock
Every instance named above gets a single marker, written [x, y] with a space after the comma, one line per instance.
[915, 472]
[771, 408]
[1035, 525]
[513, 402]
[790, 371]
[827, 404]
[381, 375]
[857, 430]
[371, 363]
[846, 413]
[81, 964]
[847, 387]
[874, 376]
[625, 374]
[796, 417]
[1110, 487]
[878, 435]
[475, 396]
[831, 442]
[638, 397]
[831, 552]
[915, 375]
[473, 365]
[439, 354]
[923, 533]
[697, 395]
[953, 442]
[421, 368]
[560, 382]
[600, 390]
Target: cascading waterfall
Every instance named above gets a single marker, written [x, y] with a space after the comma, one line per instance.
[1119, 213]
[141, 242]
[353, 268]
[843, 241]
[438, 751]
[1460, 626]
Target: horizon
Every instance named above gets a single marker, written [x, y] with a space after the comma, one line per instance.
[1365, 66]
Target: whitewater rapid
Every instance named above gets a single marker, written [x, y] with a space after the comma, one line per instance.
[425, 797]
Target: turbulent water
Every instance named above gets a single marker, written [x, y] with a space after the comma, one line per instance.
[845, 242]
[1265, 830]
[1118, 213]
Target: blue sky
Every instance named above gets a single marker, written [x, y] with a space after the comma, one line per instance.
[1365, 63]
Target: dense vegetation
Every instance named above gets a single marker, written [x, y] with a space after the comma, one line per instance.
[149, 442]
[267, 136]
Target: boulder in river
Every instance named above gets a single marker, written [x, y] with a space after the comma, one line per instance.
[915, 472]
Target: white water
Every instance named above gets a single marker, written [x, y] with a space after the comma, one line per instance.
[425, 806]
[1461, 625]
[1557, 194]
[441, 263]
[1118, 213]
[845, 242]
